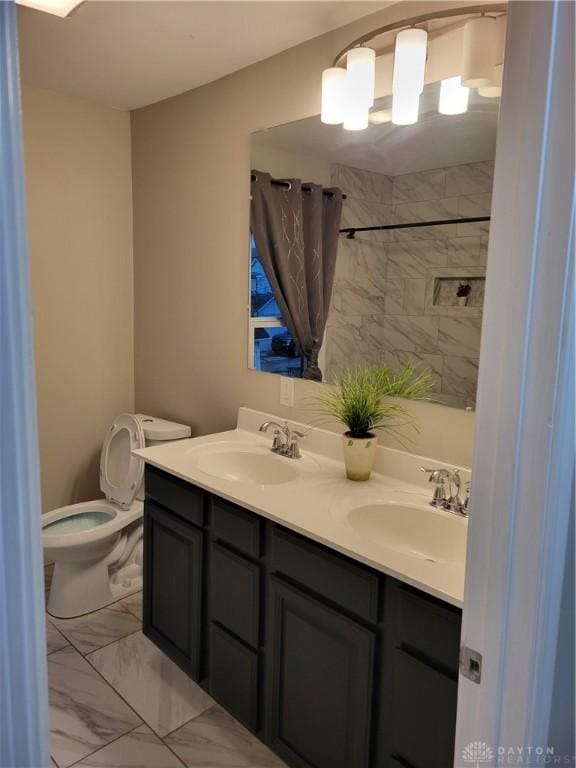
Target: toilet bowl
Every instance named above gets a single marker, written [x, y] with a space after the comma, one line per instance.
[96, 546]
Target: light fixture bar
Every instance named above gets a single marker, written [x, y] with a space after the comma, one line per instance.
[448, 13]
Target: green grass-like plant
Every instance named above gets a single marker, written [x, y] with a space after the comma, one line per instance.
[357, 400]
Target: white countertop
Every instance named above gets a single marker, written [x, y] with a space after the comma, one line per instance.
[318, 501]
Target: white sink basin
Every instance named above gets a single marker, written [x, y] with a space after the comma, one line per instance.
[245, 464]
[423, 532]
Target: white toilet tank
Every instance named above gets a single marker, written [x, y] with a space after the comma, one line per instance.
[158, 431]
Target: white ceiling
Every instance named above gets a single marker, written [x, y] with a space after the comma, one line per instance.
[130, 53]
[435, 141]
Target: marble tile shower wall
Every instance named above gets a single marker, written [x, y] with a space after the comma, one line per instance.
[383, 306]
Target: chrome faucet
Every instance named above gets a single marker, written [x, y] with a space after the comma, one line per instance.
[280, 435]
[454, 503]
[285, 441]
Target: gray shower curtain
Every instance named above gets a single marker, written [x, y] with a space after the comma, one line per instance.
[296, 233]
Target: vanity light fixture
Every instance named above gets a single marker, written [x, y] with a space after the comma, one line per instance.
[453, 97]
[62, 8]
[348, 94]
[405, 108]
[408, 76]
[494, 89]
[333, 95]
[356, 118]
[409, 61]
[359, 87]
[479, 51]
[361, 74]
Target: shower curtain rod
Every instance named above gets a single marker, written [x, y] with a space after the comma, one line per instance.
[305, 188]
[351, 231]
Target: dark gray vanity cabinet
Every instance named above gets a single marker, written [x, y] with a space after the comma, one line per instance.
[330, 663]
[234, 610]
[173, 572]
[319, 682]
[418, 679]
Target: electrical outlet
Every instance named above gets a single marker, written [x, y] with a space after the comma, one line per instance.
[287, 391]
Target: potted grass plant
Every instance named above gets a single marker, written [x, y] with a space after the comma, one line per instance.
[358, 401]
[463, 294]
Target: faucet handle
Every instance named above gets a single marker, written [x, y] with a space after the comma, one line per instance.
[277, 442]
[293, 448]
[466, 504]
[437, 474]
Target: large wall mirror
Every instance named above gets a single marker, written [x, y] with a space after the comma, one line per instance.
[404, 286]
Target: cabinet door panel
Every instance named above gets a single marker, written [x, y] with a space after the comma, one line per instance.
[424, 714]
[429, 627]
[235, 593]
[172, 586]
[319, 682]
[234, 676]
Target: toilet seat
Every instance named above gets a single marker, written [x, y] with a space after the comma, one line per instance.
[81, 521]
[113, 520]
[120, 471]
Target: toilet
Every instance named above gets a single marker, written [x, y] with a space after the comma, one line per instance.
[96, 546]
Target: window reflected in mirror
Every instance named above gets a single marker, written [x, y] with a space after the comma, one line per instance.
[272, 348]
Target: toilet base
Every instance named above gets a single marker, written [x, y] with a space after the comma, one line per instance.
[78, 589]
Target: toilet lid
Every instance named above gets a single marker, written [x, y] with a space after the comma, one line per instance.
[120, 471]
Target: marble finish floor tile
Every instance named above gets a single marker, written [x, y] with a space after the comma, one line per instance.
[138, 749]
[133, 604]
[94, 630]
[85, 713]
[54, 640]
[161, 693]
[216, 740]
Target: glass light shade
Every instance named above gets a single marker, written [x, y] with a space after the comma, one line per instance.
[333, 95]
[494, 90]
[361, 73]
[355, 107]
[453, 97]
[479, 51]
[405, 108]
[409, 61]
[60, 8]
[356, 117]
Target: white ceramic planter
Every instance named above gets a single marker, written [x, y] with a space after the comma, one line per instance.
[359, 456]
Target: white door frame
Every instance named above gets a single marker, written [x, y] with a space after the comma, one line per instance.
[523, 469]
[23, 684]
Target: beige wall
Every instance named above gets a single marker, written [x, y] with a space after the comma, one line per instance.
[191, 161]
[280, 163]
[78, 181]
